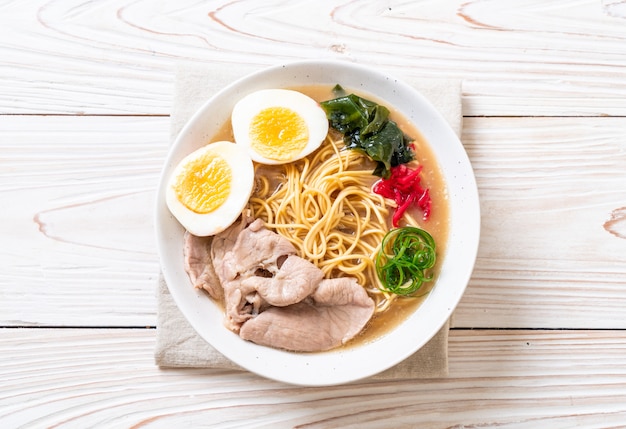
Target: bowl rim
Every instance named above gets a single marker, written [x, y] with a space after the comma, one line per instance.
[337, 366]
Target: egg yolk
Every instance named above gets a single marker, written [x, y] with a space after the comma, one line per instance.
[278, 133]
[204, 184]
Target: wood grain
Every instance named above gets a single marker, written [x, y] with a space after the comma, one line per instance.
[505, 379]
[552, 250]
[519, 58]
[80, 224]
[78, 231]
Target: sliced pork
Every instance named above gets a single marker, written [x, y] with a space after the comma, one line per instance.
[337, 311]
[272, 296]
[294, 280]
[260, 268]
[223, 243]
[199, 266]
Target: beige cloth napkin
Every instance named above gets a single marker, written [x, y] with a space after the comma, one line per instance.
[178, 344]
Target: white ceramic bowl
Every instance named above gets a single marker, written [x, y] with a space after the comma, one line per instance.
[341, 365]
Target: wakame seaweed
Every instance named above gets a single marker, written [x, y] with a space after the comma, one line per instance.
[366, 127]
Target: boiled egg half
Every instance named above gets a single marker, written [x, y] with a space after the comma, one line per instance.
[210, 187]
[278, 126]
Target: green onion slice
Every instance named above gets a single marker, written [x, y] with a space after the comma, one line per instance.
[404, 260]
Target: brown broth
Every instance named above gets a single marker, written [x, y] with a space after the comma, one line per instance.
[437, 225]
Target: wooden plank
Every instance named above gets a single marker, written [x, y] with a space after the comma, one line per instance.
[507, 379]
[517, 59]
[553, 235]
[79, 224]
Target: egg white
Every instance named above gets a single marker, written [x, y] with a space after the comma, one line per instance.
[241, 185]
[307, 108]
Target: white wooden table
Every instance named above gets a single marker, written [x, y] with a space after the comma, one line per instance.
[539, 339]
